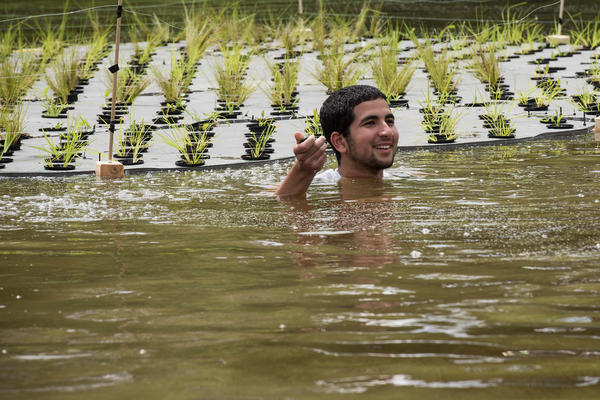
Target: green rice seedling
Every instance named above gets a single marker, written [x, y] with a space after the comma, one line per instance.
[550, 90]
[318, 28]
[292, 35]
[53, 107]
[517, 29]
[17, 75]
[143, 48]
[485, 65]
[442, 125]
[129, 146]
[389, 77]
[51, 37]
[130, 85]
[482, 33]
[523, 96]
[501, 128]
[556, 119]
[62, 77]
[339, 70]
[199, 36]
[442, 71]
[376, 23]
[285, 80]
[173, 83]
[72, 143]
[259, 140]
[207, 122]
[232, 85]
[8, 39]
[448, 123]
[192, 151]
[360, 24]
[312, 125]
[586, 101]
[12, 124]
[96, 50]
[586, 34]
[160, 32]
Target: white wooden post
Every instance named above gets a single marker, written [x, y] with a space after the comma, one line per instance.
[559, 38]
[113, 169]
[560, 16]
[300, 7]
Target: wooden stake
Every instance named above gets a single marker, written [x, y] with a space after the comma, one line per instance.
[559, 38]
[560, 16]
[113, 169]
[597, 129]
[300, 7]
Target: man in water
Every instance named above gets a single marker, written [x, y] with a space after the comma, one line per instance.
[359, 125]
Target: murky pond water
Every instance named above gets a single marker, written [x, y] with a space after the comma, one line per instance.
[476, 277]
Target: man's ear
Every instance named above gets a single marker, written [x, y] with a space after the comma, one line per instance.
[338, 141]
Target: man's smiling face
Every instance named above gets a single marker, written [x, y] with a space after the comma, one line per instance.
[372, 140]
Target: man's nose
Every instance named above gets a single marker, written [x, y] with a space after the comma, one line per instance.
[385, 129]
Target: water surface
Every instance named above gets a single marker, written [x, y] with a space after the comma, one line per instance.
[475, 277]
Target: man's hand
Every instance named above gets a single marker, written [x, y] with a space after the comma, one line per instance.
[310, 158]
[310, 152]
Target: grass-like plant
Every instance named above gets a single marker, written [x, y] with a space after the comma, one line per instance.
[485, 65]
[12, 124]
[192, 148]
[62, 77]
[130, 85]
[586, 101]
[389, 77]
[53, 107]
[17, 75]
[441, 126]
[586, 34]
[292, 35]
[549, 91]
[130, 145]
[8, 39]
[174, 82]
[285, 79]
[154, 31]
[312, 125]
[258, 140]
[441, 69]
[517, 29]
[72, 143]
[199, 35]
[339, 69]
[51, 37]
[96, 50]
[501, 128]
[232, 84]
[496, 120]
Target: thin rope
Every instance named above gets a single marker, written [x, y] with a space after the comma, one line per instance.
[54, 14]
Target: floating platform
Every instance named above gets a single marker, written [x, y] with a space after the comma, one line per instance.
[227, 144]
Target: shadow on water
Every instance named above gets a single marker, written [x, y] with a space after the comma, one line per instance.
[474, 276]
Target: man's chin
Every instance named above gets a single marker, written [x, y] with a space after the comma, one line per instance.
[383, 164]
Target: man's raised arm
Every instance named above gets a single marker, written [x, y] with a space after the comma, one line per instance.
[310, 157]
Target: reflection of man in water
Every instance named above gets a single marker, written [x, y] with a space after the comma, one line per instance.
[359, 125]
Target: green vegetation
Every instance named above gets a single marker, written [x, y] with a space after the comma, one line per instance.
[192, 148]
[233, 88]
[258, 140]
[71, 144]
[285, 79]
[389, 77]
